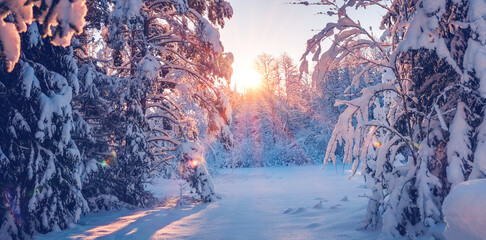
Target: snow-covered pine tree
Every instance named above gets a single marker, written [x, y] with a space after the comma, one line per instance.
[41, 186]
[192, 168]
[414, 134]
[163, 60]
[40, 182]
[112, 105]
[185, 96]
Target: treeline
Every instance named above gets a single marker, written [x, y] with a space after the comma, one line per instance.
[287, 119]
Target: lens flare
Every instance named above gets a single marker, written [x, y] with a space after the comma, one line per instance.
[109, 160]
[377, 144]
[193, 163]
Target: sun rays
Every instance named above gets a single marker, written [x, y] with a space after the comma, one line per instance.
[262, 133]
[246, 79]
[130, 221]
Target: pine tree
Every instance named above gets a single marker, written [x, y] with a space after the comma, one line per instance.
[41, 180]
[412, 134]
[161, 71]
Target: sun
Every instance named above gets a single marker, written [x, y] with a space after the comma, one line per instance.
[245, 79]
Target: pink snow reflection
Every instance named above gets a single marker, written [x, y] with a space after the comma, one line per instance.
[122, 222]
[181, 227]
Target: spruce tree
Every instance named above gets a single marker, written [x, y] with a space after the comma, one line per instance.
[413, 134]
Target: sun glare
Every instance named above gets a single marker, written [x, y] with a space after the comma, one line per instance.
[246, 79]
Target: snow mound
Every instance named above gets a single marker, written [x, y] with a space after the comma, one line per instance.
[319, 205]
[314, 225]
[465, 212]
[335, 206]
[299, 210]
[288, 210]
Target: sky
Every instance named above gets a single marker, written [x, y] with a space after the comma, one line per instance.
[273, 27]
[269, 26]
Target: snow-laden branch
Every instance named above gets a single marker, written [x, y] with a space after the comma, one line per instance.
[65, 16]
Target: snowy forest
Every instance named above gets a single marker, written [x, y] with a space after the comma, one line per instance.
[120, 118]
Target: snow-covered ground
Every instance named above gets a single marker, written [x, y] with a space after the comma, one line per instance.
[256, 203]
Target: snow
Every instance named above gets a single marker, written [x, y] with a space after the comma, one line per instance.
[443, 124]
[28, 80]
[34, 35]
[211, 37]
[209, 34]
[57, 104]
[192, 168]
[257, 203]
[458, 146]
[479, 168]
[477, 18]
[20, 123]
[67, 15]
[9, 35]
[432, 6]
[10, 41]
[464, 211]
[475, 60]
[149, 66]
[132, 8]
[127, 9]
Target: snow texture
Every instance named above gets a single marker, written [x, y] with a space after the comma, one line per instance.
[479, 168]
[149, 66]
[209, 34]
[10, 41]
[255, 204]
[65, 16]
[192, 168]
[458, 147]
[29, 80]
[464, 211]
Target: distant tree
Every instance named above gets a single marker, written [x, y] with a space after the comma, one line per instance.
[267, 66]
[282, 86]
[295, 91]
[269, 118]
[258, 125]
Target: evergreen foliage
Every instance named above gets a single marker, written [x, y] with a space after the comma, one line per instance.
[414, 134]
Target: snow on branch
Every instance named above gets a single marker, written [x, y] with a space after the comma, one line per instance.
[60, 20]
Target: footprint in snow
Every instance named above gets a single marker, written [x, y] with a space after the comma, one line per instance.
[299, 210]
[319, 205]
[335, 206]
[345, 199]
[313, 225]
[288, 210]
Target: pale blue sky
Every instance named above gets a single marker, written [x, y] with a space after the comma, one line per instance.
[269, 26]
[273, 27]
